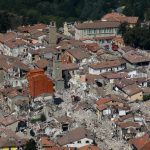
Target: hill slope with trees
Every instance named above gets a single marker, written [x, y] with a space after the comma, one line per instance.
[16, 12]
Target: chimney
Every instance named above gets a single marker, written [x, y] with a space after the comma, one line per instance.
[52, 34]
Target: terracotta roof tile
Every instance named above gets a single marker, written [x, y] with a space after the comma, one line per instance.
[123, 118]
[15, 43]
[97, 25]
[89, 147]
[45, 141]
[128, 124]
[102, 101]
[75, 135]
[114, 75]
[131, 89]
[124, 82]
[136, 57]
[146, 146]
[114, 16]
[91, 78]
[102, 107]
[70, 66]
[140, 142]
[108, 64]
[127, 49]
[78, 53]
[7, 36]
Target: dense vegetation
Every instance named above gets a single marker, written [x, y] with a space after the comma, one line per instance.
[138, 36]
[31, 145]
[15, 12]
[32, 11]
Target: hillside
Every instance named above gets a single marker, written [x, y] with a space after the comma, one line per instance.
[16, 12]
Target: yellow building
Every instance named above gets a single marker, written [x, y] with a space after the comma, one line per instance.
[133, 92]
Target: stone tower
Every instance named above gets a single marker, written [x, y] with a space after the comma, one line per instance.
[57, 71]
[52, 34]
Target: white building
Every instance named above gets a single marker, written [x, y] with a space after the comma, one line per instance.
[106, 66]
[14, 47]
[78, 137]
[96, 29]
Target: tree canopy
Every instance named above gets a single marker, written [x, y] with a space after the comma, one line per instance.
[33, 11]
[138, 36]
[31, 145]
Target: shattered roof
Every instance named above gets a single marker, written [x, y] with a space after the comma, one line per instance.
[15, 43]
[124, 82]
[128, 124]
[78, 53]
[70, 66]
[42, 63]
[7, 36]
[64, 119]
[136, 57]
[127, 49]
[103, 101]
[12, 62]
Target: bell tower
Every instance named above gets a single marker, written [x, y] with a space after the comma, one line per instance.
[52, 34]
[57, 71]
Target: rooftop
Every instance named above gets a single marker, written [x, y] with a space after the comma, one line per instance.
[114, 16]
[97, 25]
[74, 135]
[136, 57]
[131, 89]
[78, 53]
[108, 64]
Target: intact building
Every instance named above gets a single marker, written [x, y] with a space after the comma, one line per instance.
[96, 29]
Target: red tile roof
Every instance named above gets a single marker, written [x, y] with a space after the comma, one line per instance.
[75, 135]
[102, 107]
[70, 66]
[78, 53]
[128, 124]
[97, 25]
[15, 43]
[102, 101]
[140, 142]
[136, 57]
[132, 89]
[114, 75]
[89, 147]
[107, 64]
[114, 16]
[7, 36]
[146, 146]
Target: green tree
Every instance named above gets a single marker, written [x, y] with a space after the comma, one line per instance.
[31, 145]
[124, 27]
[43, 117]
[138, 37]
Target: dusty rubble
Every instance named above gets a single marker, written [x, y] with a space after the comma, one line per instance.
[103, 129]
